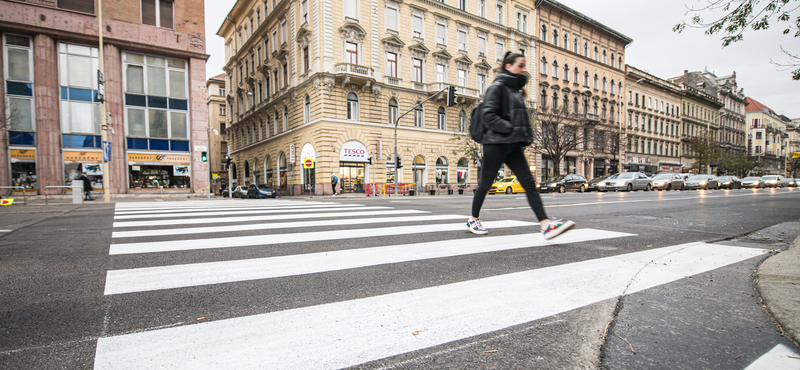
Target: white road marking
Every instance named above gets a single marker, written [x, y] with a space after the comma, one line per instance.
[282, 225]
[284, 209]
[178, 276]
[779, 357]
[343, 334]
[361, 211]
[190, 204]
[222, 208]
[271, 239]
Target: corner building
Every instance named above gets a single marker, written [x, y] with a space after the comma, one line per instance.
[154, 57]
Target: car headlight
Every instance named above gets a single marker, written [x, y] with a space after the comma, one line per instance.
[726, 183]
[659, 183]
[601, 183]
[702, 183]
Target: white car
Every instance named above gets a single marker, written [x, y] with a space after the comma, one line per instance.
[773, 181]
[627, 181]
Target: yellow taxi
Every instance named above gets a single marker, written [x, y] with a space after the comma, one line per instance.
[508, 185]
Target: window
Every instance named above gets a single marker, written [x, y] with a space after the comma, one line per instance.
[277, 120]
[419, 116]
[156, 102]
[544, 33]
[304, 10]
[307, 110]
[157, 13]
[613, 61]
[391, 61]
[555, 68]
[482, 83]
[543, 99]
[285, 119]
[417, 26]
[482, 8]
[522, 22]
[543, 67]
[441, 33]
[351, 9]
[351, 51]
[555, 37]
[442, 119]
[499, 50]
[481, 46]
[566, 40]
[758, 135]
[78, 6]
[612, 86]
[576, 76]
[605, 61]
[284, 32]
[462, 4]
[274, 40]
[223, 110]
[566, 72]
[352, 106]
[19, 89]
[417, 67]
[604, 84]
[500, 13]
[575, 46]
[462, 77]
[462, 40]
[258, 15]
[393, 111]
[391, 18]
[596, 53]
[555, 100]
[440, 73]
[306, 64]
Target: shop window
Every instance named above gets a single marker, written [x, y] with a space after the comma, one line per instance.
[283, 173]
[157, 13]
[441, 171]
[19, 90]
[352, 106]
[155, 103]
[462, 172]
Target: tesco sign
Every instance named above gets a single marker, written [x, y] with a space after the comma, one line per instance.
[353, 151]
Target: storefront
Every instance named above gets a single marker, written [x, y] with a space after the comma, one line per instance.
[442, 171]
[156, 172]
[269, 174]
[419, 169]
[23, 170]
[90, 163]
[352, 166]
[462, 172]
[390, 172]
[669, 168]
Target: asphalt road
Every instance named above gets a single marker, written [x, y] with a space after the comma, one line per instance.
[657, 280]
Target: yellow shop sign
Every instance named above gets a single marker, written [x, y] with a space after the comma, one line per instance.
[83, 157]
[23, 154]
[157, 159]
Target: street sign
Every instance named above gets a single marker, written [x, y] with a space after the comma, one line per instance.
[796, 155]
[106, 151]
[214, 176]
[101, 90]
[308, 163]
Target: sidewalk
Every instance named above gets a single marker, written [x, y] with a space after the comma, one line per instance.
[778, 283]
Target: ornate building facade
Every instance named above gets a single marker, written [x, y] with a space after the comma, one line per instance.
[769, 138]
[217, 132]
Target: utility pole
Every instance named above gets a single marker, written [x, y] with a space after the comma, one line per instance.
[103, 117]
[396, 122]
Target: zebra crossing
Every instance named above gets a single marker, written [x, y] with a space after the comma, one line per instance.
[346, 333]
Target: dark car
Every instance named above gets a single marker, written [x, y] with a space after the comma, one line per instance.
[729, 182]
[592, 184]
[562, 183]
[259, 191]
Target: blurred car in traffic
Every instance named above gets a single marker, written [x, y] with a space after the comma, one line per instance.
[592, 184]
[698, 182]
[259, 191]
[627, 181]
[729, 182]
[789, 182]
[668, 181]
[508, 185]
[773, 181]
[753, 182]
[239, 192]
[562, 183]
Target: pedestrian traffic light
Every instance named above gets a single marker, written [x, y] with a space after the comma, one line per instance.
[399, 163]
[451, 96]
[228, 160]
[203, 157]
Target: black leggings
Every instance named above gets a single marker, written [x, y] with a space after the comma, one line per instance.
[494, 155]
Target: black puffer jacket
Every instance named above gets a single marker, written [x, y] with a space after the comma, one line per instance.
[504, 114]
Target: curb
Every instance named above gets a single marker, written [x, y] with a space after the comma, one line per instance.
[777, 281]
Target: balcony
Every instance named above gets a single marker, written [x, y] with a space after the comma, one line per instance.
[590, 117]
[419, 86]
[394, 81]
[353, 73]
[461, 91]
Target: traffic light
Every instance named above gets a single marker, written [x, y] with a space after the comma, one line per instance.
[399, 163]
[203, 157]
[451, 96]
[228, 160]
[369, 160]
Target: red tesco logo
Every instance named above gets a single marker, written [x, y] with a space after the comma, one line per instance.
[355, 151]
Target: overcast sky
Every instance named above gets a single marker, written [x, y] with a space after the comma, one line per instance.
[655, 48]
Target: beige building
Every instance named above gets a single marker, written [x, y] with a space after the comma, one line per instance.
[769, 138]
[218, 136]
[653, 123]
[580, 65]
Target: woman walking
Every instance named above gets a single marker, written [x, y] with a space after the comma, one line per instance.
[508, 131]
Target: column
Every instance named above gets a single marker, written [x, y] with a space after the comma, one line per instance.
[114, 75]
[198, 121]
[50, 162]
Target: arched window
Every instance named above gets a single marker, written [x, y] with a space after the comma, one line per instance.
[575, 105]
[620, 62]
[544, 33]
[442, 118]
[613, 61]
[307, 110]
[441, 171]
[586, 49]
[586, 78]
[266, 126]
[611, 117]
[462, 121]
[594, 108]
[566, 40]
[555, 68]
[620, 87]
[352, 106]
[544, 98]
[555, 37]
[604, 83]
[575, 46]
[603, 112]
[255, 171]
[555, 100]
[576, 75]
[612, 86]
[246, 169]
[566, 72]
[277, 120]
[605, 59]
[596, 80]
[596, 54]
[285, 119]
[392, 111]
[544, 65]
[565, 103]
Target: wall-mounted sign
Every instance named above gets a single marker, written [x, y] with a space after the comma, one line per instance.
[23, 155]
[157, 159]
[92, 169]
[353, 151]
[180, 170]
[82, 157]
[379, 150]
[292, 153]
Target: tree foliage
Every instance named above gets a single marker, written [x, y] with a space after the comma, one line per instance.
[736, 163]
[704, 152]
[737, 16]
[556, 132]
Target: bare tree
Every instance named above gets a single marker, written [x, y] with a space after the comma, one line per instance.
[556, 132]
[746, 14]
[704, 150]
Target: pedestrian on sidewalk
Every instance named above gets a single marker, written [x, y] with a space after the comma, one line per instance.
[87, 187]
[508, 131]
[334, 182]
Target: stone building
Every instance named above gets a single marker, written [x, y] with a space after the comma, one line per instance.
[769, 141]
[218, 141]
[654, 123]
[581, 67]
[154, 57]
[329, 79]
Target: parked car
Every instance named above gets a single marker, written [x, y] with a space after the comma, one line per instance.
[668, 181]
[753, 182]
[729, 182]
[259, 191]
[562, 183]
[698, 182]
[592, 184]
[773, 181]
[508, 185]
[239, 192]
[626, 181]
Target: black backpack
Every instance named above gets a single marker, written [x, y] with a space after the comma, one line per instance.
[476, 127]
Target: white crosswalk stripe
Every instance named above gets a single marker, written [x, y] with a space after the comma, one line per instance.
[324, 336]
